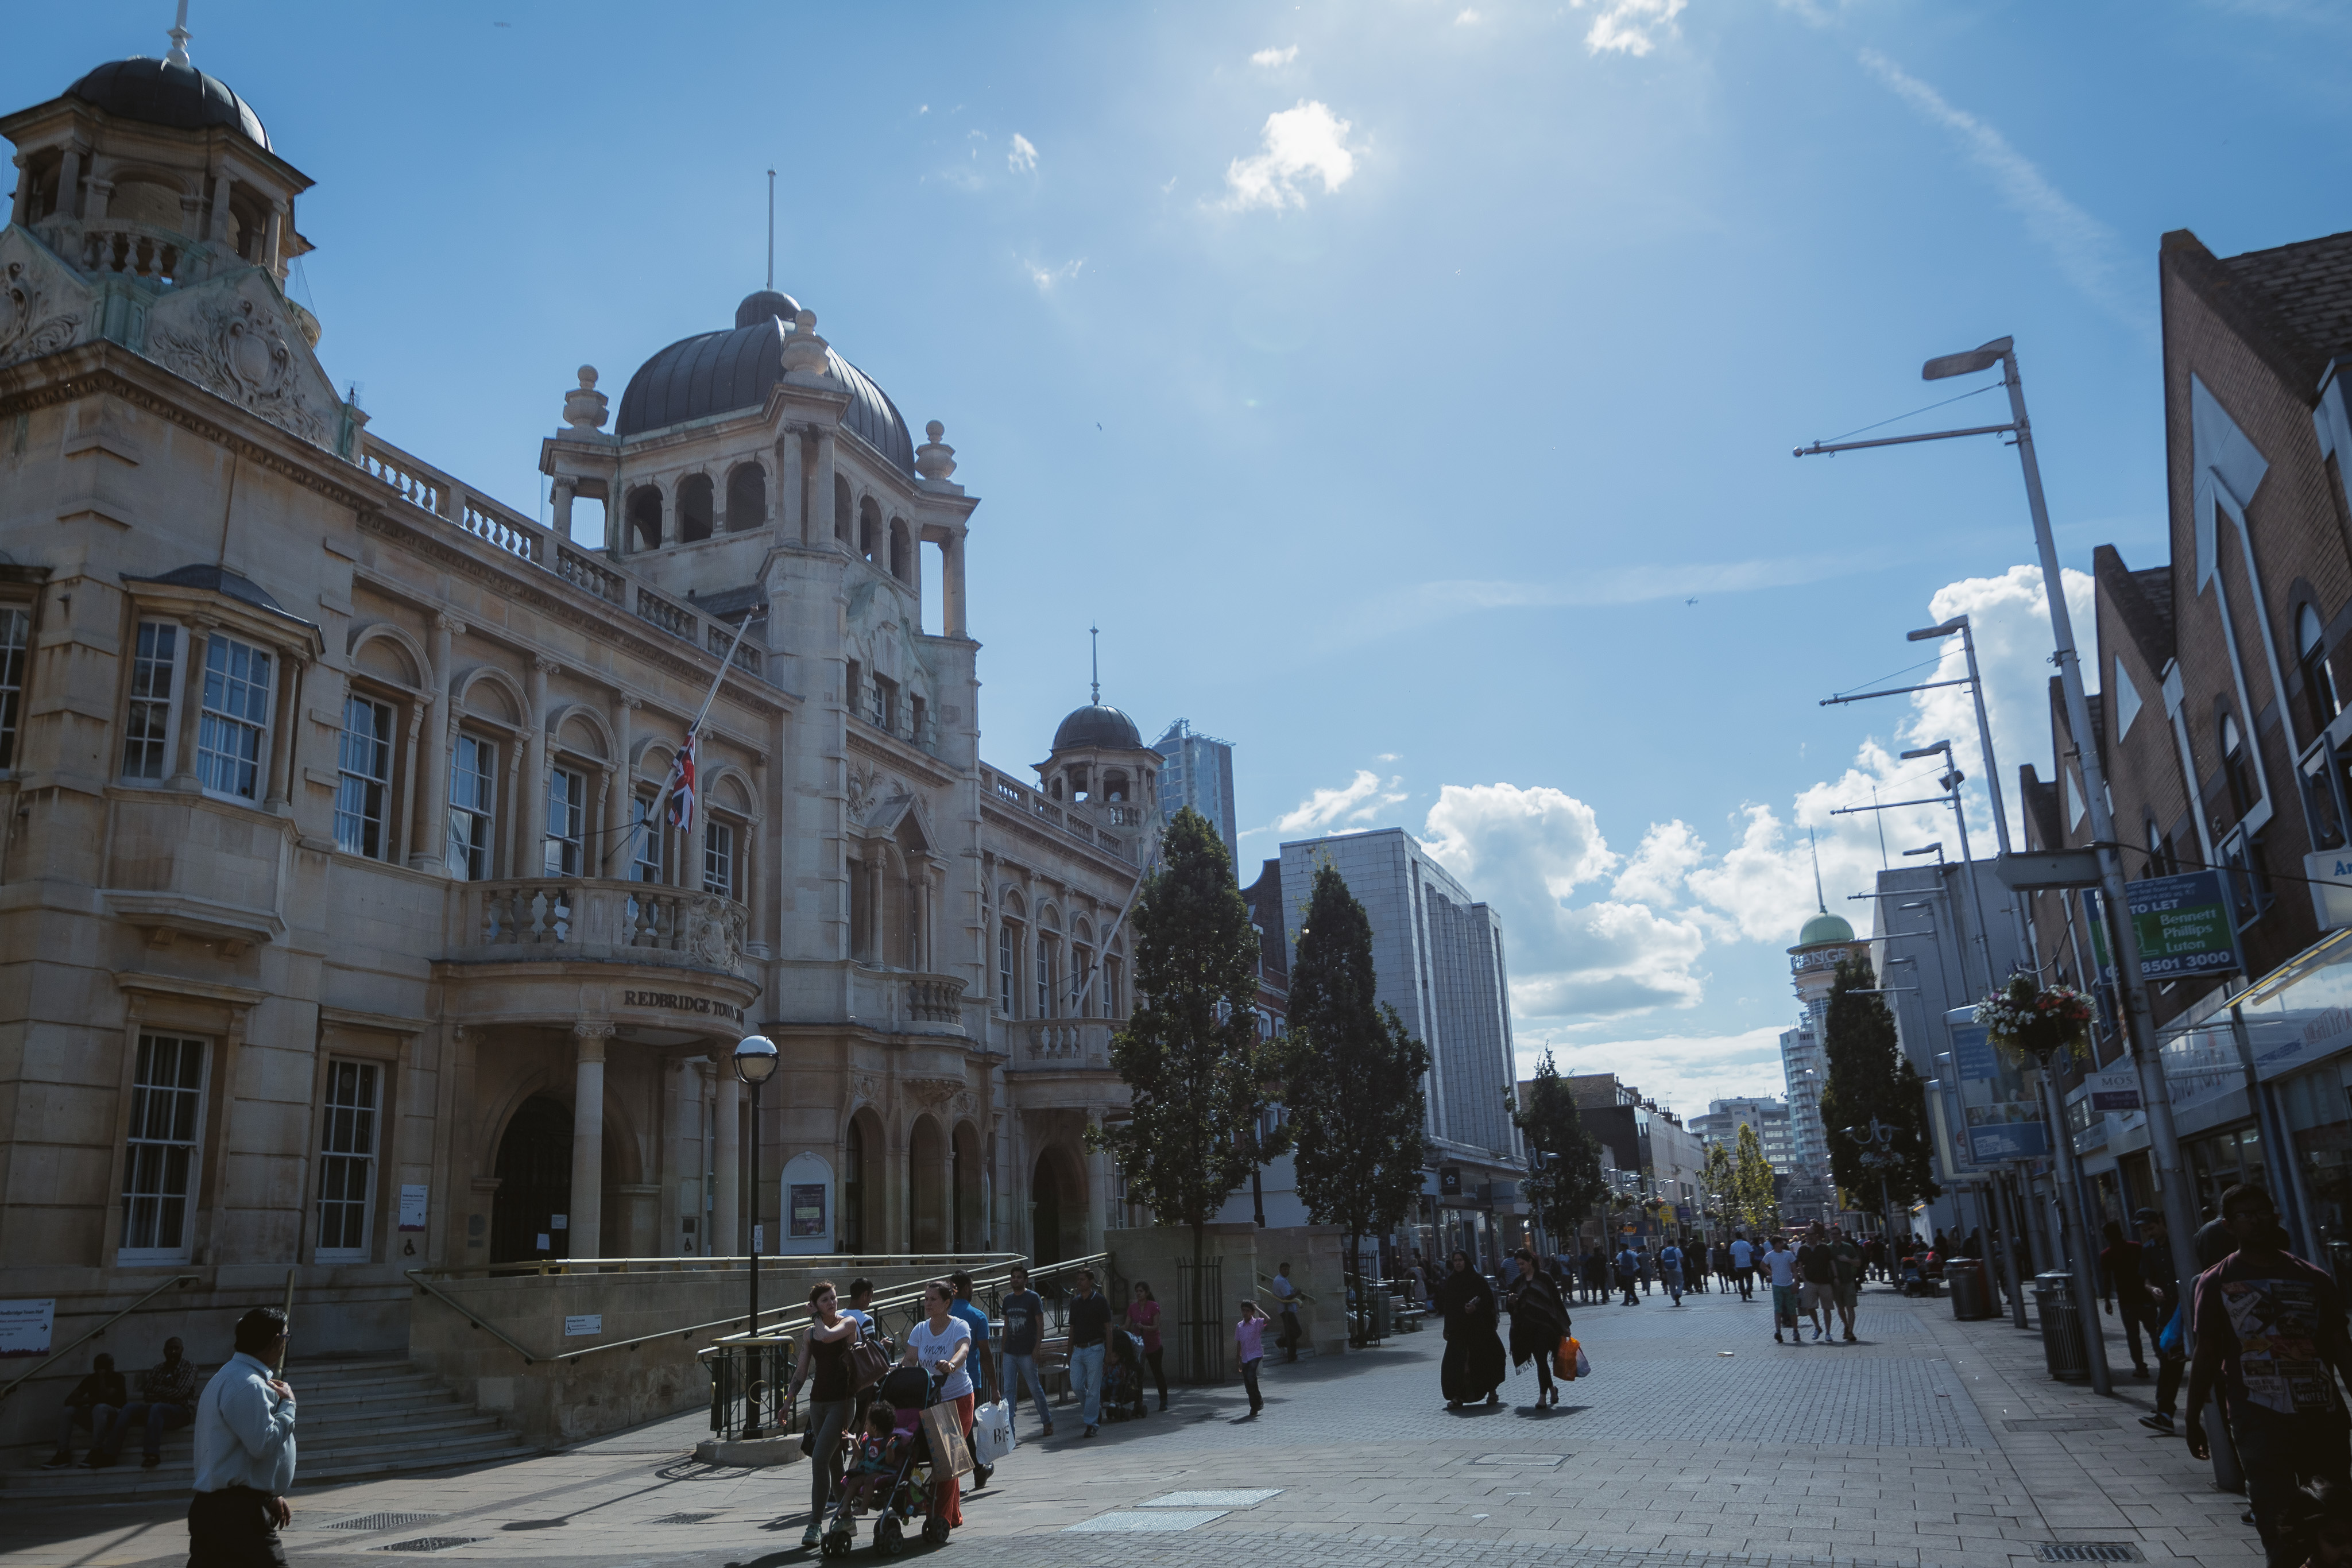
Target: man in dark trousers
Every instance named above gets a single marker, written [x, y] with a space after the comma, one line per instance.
[1629, 1270]
[2160, 1294]
[166, 1402]
[92, 1404]
[2119, 1278]
[2270, 1327]
[245, 1453]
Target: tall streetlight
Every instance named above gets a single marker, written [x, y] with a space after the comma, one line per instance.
[755, 1063]
[1878, 1144]
[2164, 1139]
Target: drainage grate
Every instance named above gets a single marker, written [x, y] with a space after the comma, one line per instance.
[683, 1518]
[431, 1543]
[385, 1522]
[2087, 1551]
[2060, 1423]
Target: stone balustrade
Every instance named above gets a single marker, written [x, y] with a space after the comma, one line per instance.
[598, 919]
[138, 250]
[583, 571]
[1064, 1042]
[1002, 792]
[935, 998]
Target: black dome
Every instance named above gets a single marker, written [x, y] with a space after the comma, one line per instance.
[157, 92]
[719, 372]
[1099, 727]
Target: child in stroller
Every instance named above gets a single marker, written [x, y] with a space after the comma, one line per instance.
[894, 1477]
[1122, 1397]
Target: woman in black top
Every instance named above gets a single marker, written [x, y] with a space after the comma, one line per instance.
[1474, 1368]
[824, 1357]
[1539, 1323]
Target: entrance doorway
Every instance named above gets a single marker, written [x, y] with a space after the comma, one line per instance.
[534, 1171]
[1057, 1209]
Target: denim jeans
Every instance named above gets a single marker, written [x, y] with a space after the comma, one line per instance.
[97, 1417]
[1020, 1371]
[157, 1419]
[1672, 1280]
[1087, 1377]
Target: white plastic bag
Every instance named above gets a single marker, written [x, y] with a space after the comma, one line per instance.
[992, 1432]
[1584, 1362]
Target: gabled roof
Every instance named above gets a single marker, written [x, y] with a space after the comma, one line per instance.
[2291, 304]
[2143, 602]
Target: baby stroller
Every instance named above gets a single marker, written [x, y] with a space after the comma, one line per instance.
[907, 1390]
[1122, 1395]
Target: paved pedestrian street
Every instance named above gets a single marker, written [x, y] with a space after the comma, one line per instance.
[1697, 1441]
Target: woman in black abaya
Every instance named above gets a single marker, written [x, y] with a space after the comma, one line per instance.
[1539, 1323]
[1474, 1368]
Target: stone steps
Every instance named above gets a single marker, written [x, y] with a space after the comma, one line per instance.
[355, 1419]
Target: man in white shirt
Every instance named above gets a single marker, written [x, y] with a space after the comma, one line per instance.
[245, 1453]
[1743, 1266]
[1288, 1293]
[1782, 1265]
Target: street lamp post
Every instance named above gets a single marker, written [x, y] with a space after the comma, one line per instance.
[1878, 1140]
[755, 1063]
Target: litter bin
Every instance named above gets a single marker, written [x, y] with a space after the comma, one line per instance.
[1383, 1314]
[1971, 1294]
[2062, 1327]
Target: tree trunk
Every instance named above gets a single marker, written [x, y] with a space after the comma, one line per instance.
[1361, 1328]
[1199, 1311]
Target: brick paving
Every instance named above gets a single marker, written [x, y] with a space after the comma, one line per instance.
[1931, 1443]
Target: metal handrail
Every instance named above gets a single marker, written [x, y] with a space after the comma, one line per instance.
[1266, 1284]
[995, 1278]
[174, 1282]
[783, 1259]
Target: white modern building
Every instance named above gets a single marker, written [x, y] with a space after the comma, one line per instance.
[1769, 1116]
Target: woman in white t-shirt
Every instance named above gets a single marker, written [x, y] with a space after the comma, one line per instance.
[941, 1344]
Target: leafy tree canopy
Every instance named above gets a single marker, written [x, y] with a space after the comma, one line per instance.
[1869, 1077]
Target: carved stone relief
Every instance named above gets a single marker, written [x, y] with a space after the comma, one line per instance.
[236, 346]
[31, 324]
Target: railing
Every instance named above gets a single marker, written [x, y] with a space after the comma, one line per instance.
[416, 484]
[721, 636]
[1079, 1040]
[141, 251]
[600, 918]
[175, 1282]
[673, 619]
[585, 572]
[751, 1374]
[935, 998]
[508, 533]
[1016, 798]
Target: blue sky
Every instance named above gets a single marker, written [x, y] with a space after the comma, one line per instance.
[1384, 377]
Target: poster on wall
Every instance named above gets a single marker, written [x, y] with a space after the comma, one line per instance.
[807, 1208]
[24, 1327]
[2001, 1116]
[412, 1205]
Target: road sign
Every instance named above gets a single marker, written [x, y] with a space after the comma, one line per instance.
[2184, 925]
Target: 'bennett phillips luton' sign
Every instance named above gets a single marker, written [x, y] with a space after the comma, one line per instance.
[2184, 926]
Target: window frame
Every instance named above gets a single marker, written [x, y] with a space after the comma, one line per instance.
[568, 848]
[345, 778]
[644, 810]
[712, 825]
[15, 670]
[2321, 701]
[134, 700]
[197, 1089]
[485, 816]
[2237, 769]
[370, 1163]
[220, 643]
[1008, 965]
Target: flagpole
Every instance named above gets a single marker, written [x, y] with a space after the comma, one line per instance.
[662, 799]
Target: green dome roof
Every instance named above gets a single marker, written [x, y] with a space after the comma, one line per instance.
[1825, 927]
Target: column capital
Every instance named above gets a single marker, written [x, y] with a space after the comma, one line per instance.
[445, 622]
[591, 1035]
[545, 665]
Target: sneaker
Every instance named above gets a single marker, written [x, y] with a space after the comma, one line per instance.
[1088, 1433]
[2159, 1422]
[1049, 1429]
[1776, 1337]
[1849, 1336]
[2139, 1372]
[812, 1534]
[59, 1461]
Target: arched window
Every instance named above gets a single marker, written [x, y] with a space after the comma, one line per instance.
[1115, 787]
[902, 551]
[644, 518]
[870, 527]
[842, 508]
[746, 498]
[852, 1188]
[2319, 680]
[1008, 977]
[1045, 963]
[1079, 782]
[693, 509]
[2236, 769]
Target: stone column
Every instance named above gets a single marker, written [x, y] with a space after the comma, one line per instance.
[404, 820]
[101, 191]
[562, 492]
[284, 718]
[192, 712]
[617, 847]
[530, 854]
[821, 521]
[791, 505]
[587, 1215]
[429, 851]
[20, 210]
[952, 606]
[727, 1237]
[69, 183]
[273, 239]
[217, 233]
[1099, 1194]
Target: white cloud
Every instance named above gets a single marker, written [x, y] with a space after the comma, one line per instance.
[1631, 27]
[1049, 278]
[1667, 854]
[1469, 18]
[1023, 159]
[1353, 804]
[1273, 59]
[1307, 142]
[1681, 1072]
[2084, 248]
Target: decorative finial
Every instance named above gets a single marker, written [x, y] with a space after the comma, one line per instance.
[1096, 633]
[805, 352]
[935, 459]
[180, 36]
[1819, 897]
[584, 405]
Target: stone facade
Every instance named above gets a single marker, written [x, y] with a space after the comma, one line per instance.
[343, 927]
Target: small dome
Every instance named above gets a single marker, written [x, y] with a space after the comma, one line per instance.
[157, 92]
[1100, 726]
[1824, 928]
[722, 372]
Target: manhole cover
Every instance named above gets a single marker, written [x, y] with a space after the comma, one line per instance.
[2062, 1424]
[385, 1522]
[431, 1543]
[684, 1518]
[1522, 1461]
[1247, 1498]
[2087, 1551]
[1153, 1522]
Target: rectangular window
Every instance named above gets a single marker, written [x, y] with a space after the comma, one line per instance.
[1007, 976]
[644, 840]
[1044, 978]
[567, 817]
[853, 689]
[147, 729]
[347, 1162]
[1107, 983]
[15, 640]
[159, 1166]
[472, 776]
[918, 720]
[363, 777]
[718, 858]
[236, 719]
[886, 704]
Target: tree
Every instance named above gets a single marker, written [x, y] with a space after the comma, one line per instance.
[1568, 1184]
[1351, 1079]
[1751, 1183]
[1195, 1067]
[1870, 1078]
[1718, 1181]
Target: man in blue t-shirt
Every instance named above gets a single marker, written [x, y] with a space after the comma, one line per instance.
[964, 1307]
[1024, 1319]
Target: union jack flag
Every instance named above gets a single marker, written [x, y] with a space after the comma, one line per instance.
[681, 786]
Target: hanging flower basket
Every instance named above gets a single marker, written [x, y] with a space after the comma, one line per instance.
[2029, 1019]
